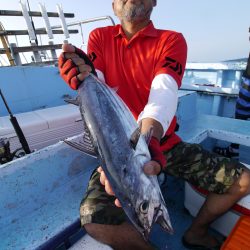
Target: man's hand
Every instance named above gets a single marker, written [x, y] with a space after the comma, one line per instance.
[156, 155]
[150, 168]
[104, 181]
[74, 65]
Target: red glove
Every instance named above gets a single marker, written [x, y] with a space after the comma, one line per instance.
[69, 70]
[156, 153]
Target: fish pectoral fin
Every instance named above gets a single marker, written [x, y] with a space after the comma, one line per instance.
[72, 101]
[84, 144]
[135, 137]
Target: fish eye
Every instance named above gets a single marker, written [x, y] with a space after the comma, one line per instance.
[144, 207]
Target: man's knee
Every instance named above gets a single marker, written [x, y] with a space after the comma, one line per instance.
[245, 182]
[242, 184]
[100, 232]
[91, 229]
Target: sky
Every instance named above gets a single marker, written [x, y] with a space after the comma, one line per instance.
[215, 30]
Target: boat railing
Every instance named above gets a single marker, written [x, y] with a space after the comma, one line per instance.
[39, 50]
[221, 78]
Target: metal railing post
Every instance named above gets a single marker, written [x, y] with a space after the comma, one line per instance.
[15, 56]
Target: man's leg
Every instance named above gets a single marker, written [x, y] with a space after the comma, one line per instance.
[107, 223]
[214, 206]
[226, 180]
[120, 237]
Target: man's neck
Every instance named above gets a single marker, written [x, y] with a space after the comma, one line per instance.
[131, 28]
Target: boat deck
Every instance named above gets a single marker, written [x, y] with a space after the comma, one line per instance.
[40, 193]
[173, 192]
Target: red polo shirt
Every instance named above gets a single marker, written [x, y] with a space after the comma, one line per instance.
[131, 65]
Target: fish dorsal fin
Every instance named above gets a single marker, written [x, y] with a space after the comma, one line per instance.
[84, 144]
[148, 135]
[72, 101]
[135, 137]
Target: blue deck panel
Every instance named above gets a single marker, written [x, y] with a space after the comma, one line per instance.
[173, 193]
[40, 196]
[40, 199]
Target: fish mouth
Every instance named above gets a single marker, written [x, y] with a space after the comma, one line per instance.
[145, 234]
[161, 217]
[146, 231]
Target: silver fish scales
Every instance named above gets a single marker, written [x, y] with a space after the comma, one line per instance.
[112, 134]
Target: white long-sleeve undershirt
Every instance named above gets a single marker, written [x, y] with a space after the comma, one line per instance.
[162, 101]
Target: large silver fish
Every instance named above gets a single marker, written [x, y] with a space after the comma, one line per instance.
[112, 134]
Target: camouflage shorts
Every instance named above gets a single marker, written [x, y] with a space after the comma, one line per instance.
[99, 207]
[188, 161]
[202, 168]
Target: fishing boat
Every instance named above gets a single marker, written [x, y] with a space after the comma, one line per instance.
[42, 186]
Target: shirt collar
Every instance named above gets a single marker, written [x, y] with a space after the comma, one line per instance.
[149, 30]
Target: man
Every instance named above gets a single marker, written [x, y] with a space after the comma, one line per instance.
[146, 66]
[242, 112]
